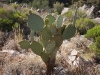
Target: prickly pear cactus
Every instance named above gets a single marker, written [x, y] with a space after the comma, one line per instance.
[46, 21]
[44, 43]
[53, 29]
[35, 22]
[50, 47]
[69, 32]
[59, 21]
[61, 30]
[51, 36]
[46, 34]
[58, 40]
[75, 17]
[45, 57]
[51, 19]
[24, 44]
[36, 47]
[32, 36]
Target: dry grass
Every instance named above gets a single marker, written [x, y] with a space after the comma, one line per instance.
[27, 63]
[88, 56]
[24, 64]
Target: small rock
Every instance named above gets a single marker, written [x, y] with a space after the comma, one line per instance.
[71, 58]
[74, 52]
[9, 51]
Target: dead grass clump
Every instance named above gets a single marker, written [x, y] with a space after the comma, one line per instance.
[21, 64]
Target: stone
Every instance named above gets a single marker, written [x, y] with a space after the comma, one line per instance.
[65, 10]
[74, 52]
[97, 20]
[71, 58]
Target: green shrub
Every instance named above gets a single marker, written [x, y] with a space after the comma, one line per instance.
[69, 15]
[58, 7]
[97, 43]
[2, 12]
[9, 17]
[84, 24]
[81, 14]
[93, 47]
[40, 4]
[15, 6]
[94, 34]
[5, 24]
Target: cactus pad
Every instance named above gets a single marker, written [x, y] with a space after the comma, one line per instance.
[35, 22]
[53, 30]
[53, 54]
[24, 44]
[59, 21]
[61, 30]
[50, 47]
[51, 19]
[36, 47]
[75, 17]
[46, 34]
[58, 40]
[43, 43]
[45, 57]
[69, 32]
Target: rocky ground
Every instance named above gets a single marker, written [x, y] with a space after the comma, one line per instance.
[15, 61]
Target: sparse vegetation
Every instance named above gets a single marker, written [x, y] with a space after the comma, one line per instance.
[35, 39]
[84, 24]
[94, 33]
[8, 18]
[58, 7]
[51, 38]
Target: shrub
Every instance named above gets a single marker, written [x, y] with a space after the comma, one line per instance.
[40, 4]
[97, 43]
[69, 15]
[5, 24]
[15, 6]
[9, 17]
[2, 12]
[81, 14]
[94, 33]
[84, 24]
[58, 7]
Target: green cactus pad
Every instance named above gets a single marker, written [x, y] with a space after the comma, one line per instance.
[53, 54]
[58, 40]
[69, 32]
[24, 44]
[50, 47]
[59, 21]
[36, 47]
[43, 43]
[61, 30]
[75, 17]
[45, 57]
[51, 19]
[46, 34]
[35, 22]
[53, 30]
